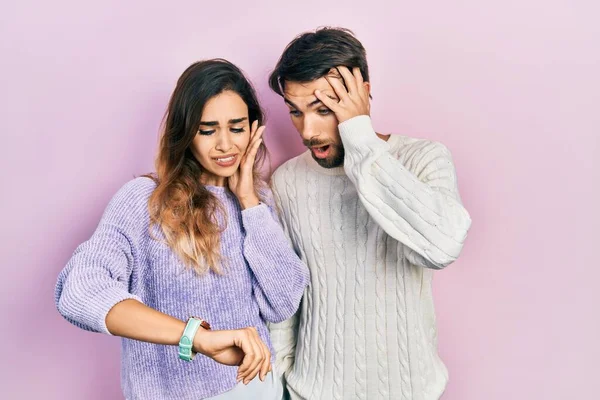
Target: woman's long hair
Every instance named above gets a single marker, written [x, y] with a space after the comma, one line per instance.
[184, 210]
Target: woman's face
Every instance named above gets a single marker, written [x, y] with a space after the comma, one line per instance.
[222, 138]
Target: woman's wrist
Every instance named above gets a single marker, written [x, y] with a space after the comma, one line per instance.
[199, 341]
[249, 202]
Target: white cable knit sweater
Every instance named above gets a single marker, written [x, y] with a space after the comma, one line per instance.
[371, 232]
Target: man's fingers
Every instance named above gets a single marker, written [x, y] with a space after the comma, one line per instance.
[338, 87]
[360, 83]
[349, 79]
[358, 76]
[326, 100]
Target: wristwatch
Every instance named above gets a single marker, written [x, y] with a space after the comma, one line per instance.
[187, 339]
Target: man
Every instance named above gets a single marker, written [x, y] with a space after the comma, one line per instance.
[372, 215]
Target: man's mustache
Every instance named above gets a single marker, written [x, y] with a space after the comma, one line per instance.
[314, 143]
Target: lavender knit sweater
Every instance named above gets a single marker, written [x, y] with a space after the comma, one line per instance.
[264, 281]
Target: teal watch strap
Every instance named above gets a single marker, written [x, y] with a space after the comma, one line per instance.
[187, 339]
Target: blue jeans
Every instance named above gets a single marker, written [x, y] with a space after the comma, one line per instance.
[270, 389]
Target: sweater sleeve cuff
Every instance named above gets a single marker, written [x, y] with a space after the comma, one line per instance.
[359, 137]
[256, 217]
[105, 301]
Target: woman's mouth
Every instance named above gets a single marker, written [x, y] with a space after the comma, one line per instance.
[226, 161]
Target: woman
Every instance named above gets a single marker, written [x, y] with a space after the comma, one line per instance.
[194, 246]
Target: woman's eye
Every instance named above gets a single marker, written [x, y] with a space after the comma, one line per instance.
[295, 113]
[206, 132]
[324, 111]
[238, 130]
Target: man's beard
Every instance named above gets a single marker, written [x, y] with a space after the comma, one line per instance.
[335, 157]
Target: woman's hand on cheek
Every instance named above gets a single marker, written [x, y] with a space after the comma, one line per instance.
[241, 183]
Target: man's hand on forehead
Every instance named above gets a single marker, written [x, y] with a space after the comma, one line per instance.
[334, 73]
[351, 90]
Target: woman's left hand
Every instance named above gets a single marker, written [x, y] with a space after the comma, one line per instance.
[241, 183]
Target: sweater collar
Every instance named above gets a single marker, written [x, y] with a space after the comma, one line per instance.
[393, 141]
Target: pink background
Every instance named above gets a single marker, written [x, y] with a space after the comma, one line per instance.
[512, 87]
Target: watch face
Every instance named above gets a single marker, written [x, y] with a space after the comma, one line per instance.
[203, 323]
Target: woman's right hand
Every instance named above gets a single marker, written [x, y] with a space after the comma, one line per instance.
[242, 347]
[134, 320]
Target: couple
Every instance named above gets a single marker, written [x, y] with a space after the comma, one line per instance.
[197, 257]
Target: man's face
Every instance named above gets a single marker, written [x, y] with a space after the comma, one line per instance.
[316, 123]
